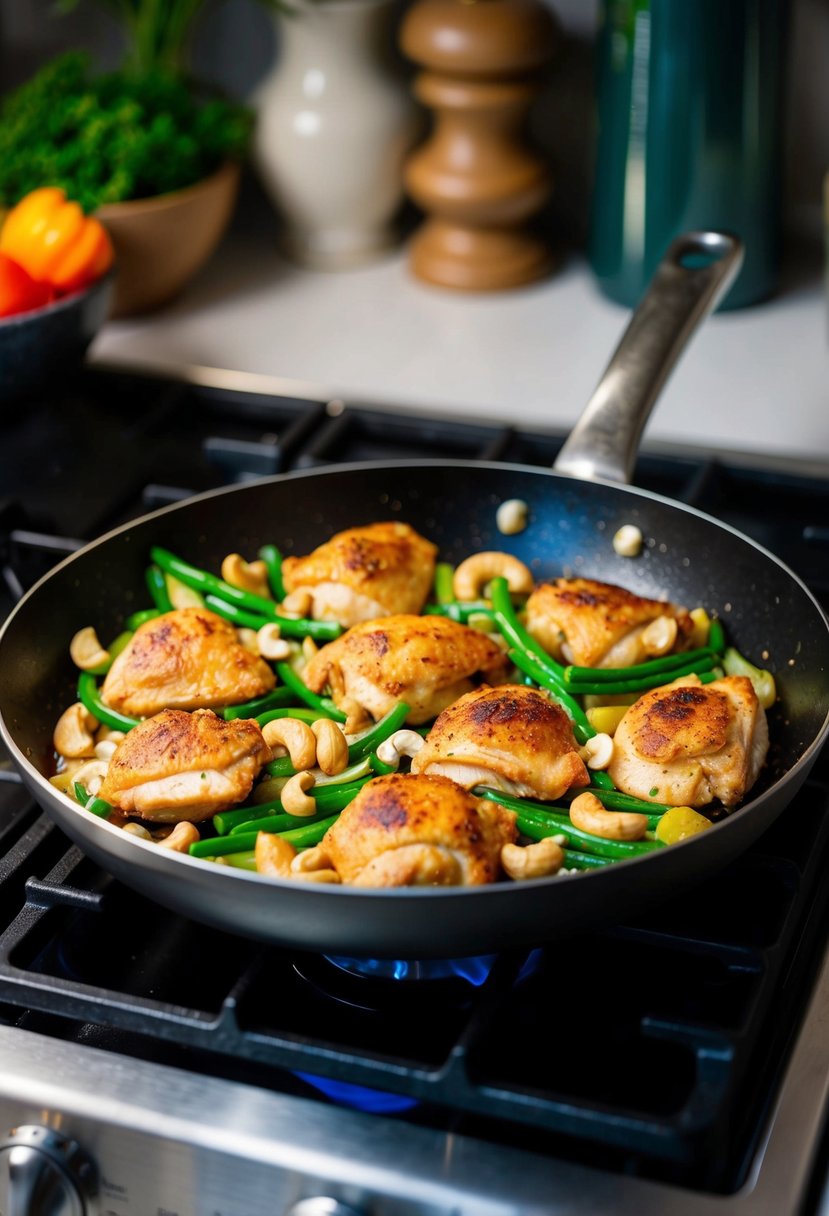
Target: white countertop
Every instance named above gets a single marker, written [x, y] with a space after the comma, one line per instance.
[756, 380]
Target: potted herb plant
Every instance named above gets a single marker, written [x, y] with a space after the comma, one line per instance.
[142, 147]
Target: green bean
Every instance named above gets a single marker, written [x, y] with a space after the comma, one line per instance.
[444, 576]
[382, 729]
[617, 801]
[716, 636]
[573, 860]
[303, 714]
[157, 587]
[220, 846]
[95, 806]
[537, 821]
[240, 617]
[597, 675]
[514, 632]
[252, 709]
[562, 814]
[272, 558]
[306, 838]
[140, 617]
[588, 688]
[329, 798]
[89, 696]
[255, 606]
[460, 612]
[242, 861]
[379, 767]
[231, 823]
[291, 679]
[526, 663]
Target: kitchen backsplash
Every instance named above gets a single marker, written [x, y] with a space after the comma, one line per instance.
[236, 45]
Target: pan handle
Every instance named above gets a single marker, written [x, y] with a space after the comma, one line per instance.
[696, 271]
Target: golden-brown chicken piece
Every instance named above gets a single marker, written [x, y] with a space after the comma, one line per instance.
[510, 738]
[189, 658]
[426, 661]
[595, 624]
[688, 743]
[408, 830]
[179, 765]
[364, 573]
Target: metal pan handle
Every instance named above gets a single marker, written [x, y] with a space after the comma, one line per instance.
[696, 271]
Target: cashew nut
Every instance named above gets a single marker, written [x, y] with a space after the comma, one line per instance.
[249, 639]
[327, 876]
[315, 858]
[476, 571]
[86, 651]
[332, 746]
[597, 752]
[297, 603]
[136, 829]
[401, 743]
[587, 813]
[659, 637]
[73, 736]
[539, 860]
[628, 540]
[91, 775]
[356, 715]
[309, 649]
[248, 576]
[295, 798]
[511, 516]
[105, 750]
[273, 855]
[294, 737]
[270, 644]
[182, 836]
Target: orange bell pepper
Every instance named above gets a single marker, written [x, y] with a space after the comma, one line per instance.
[55, 242]
[18, 291]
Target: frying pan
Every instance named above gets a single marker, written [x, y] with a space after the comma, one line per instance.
[574, 512]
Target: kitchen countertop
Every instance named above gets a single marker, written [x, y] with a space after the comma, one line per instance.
[752, 381]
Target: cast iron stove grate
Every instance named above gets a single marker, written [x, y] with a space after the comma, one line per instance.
[652, 1048]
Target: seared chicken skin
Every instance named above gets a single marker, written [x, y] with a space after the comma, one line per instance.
[186, 659]
[364, 573]
[595, 624]
[405, 830]
[689, 743]
[426, 661]
[510, 738]
[184, 766]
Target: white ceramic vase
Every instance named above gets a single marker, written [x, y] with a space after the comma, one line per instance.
[334, 125]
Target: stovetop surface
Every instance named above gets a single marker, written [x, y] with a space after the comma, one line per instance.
[653, 1048]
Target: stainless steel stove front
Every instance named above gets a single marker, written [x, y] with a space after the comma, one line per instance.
[157, 1141]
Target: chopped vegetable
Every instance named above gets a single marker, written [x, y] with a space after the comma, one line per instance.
[762, 681]
[680, 822]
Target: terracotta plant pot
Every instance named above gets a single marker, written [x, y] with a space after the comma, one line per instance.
[161, 242]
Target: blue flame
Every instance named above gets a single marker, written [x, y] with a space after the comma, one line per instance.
[359, 1097]
[474, 970]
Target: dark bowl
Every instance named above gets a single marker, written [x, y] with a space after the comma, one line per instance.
[40, 346]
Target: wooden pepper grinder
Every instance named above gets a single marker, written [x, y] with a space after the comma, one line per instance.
[476, 177]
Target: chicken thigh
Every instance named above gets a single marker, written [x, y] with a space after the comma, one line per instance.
[184, 766]
[510, 738]
[688, 743]
[413, 830]
[426, 661]
[595, 624]
[189, 658]
[364, 573]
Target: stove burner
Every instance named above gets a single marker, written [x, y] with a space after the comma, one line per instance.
[359, 1097]
[474, 970]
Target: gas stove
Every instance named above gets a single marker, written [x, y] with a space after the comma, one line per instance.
[676, 1062]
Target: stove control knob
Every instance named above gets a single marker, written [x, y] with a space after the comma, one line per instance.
[322, 1205]
[43, 1173]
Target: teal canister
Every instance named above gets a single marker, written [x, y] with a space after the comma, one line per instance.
[689, 101]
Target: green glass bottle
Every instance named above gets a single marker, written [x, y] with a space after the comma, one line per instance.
[689, 136]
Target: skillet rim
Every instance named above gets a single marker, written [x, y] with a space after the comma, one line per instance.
[163, 859]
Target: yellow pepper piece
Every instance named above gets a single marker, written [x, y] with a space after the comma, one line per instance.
[680, 822]
[605, 718]
[702, 624]
[54, 241]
